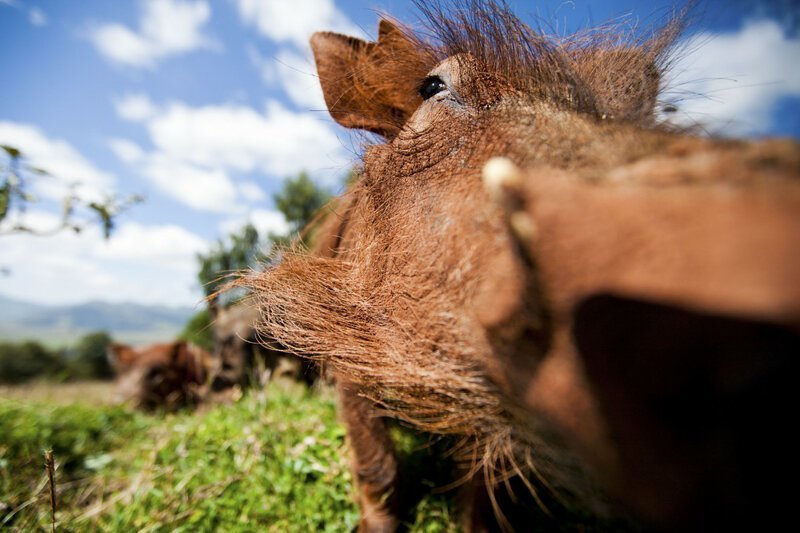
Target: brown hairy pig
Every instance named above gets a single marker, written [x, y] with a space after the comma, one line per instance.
[167, 375]
[607, 316]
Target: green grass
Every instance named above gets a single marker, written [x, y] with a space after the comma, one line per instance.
[275, 460]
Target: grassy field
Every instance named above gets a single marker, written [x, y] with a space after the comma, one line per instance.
[95, 393]
[274, 460]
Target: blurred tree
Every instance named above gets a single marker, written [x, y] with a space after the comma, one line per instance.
[353, 176]
[243, 251]
[299, 200]
[20, 362]
[90, 359]
[199, 330]
[76, 212]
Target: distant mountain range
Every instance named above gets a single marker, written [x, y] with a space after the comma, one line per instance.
[58, 325]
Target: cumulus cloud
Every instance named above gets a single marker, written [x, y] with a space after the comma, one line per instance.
[730, 83]
[264, 220]
[294, 21]
[37, 17]
[168, 246]
[276, 141]
[59, 158]
[128, 152]
[166, 27]
[196, 150]
[252, 191]
[295, 73]
[135, 107]
[143, 264]
[200, 188]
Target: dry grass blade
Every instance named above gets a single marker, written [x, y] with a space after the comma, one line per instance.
[50, 466]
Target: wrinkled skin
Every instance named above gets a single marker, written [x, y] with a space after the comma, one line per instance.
[625, 298]
[168, 375]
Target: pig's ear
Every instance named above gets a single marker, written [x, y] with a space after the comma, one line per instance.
[178, 353]
[371, 85]
[120, 356]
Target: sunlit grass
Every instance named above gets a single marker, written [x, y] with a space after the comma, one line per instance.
[275, 460]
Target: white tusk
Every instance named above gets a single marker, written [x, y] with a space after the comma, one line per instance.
[523, 226]
[500, 172]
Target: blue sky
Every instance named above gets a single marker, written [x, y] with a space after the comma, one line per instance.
[206, 106]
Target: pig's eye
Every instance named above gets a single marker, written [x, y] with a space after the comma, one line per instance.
[431, 86]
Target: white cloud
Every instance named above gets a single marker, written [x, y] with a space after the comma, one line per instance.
[128, 152]
[167, 245]
[39, 221]
[264, 220]
[730, 83]
[269, 222]
[166, 27]
[197, 150]
[59, 158]
[298, 77]
[277, 142]
[294, 20]
[252, 191]
[37, 17]
[265, 65]
[200, 188]
[144, 264]
[135, 107]
[295, 73]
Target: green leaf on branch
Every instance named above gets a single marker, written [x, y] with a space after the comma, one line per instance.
[5, 199]
[12, 152]
[106, 218]
[37, 170]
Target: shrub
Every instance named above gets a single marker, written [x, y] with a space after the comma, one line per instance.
[90, 361]
[20, 362]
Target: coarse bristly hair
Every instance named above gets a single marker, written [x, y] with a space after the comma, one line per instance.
[589, 72]
[327, 308]
[608, 72]
[322, 306]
